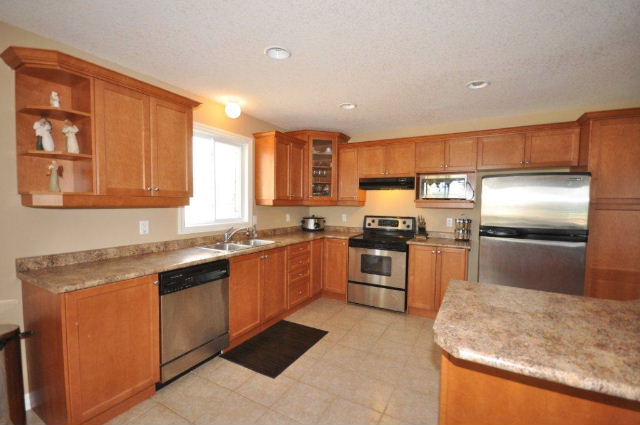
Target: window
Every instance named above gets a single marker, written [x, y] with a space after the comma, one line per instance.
[221, 176]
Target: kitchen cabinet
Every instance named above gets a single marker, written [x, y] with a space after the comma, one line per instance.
[336, 259]
[299, 270]
[94, 352]
[458, 154]
[389, 160]
[134, 138]
[316, 266]
[349, 192]
[431, 268]
[279, 169]
[257, 290]
[611, 149]
[539, 147]
[321, 165]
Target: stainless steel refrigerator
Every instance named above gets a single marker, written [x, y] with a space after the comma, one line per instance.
[533, 231]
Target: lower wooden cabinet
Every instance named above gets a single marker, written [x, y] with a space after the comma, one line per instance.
[94, 352]
[257, 290]
[431, 268]
[336, 260]
[317, 249]
[299, 271]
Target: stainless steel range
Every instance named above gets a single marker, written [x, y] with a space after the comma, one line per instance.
[378, 262]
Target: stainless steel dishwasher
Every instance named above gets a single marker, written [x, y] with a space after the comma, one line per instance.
[194, 316]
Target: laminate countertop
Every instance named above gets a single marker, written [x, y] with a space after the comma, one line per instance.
[73, 277]
[443, 242]
[587, 343]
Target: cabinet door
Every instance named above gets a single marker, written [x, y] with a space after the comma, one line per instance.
[452, 265]
[336, 258]
[244, 293]
[113, 344]
[296, 171]
[371, 162]
[349, 183]
[461, 154]
[122, 140]
[614, 159]
[501, 151]
[430, 156]
[316, 266]
[171, 132]
[322, 166]
[422, 277]
[552, 148]
[274, 283]
[282, 169]
[400, 159]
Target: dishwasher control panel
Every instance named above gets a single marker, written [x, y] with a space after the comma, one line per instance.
[180, 279]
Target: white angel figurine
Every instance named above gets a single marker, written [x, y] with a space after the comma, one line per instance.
[54, 184]
[70, 131]
[43, 134]
[54, 99]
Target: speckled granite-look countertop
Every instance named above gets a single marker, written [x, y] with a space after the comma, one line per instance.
[582, 342]
[73, 277]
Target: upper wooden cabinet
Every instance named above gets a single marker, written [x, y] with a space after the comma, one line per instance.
[434, 156]
[349, 192]
[134, 138]
[387, 160]
[279, 168]
[533, 148]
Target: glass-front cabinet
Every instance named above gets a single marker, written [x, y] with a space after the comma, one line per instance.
[321, 171]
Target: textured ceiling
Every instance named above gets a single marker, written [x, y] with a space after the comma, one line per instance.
[405, 63]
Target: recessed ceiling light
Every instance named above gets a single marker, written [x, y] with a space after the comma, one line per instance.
[233, 110]
[348, 106]
[478, 84]
[277, 52]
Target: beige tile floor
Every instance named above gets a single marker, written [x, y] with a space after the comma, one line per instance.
[373, 367]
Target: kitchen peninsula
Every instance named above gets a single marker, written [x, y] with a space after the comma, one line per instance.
[515, 355]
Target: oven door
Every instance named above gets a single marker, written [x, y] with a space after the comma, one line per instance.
[378, 267]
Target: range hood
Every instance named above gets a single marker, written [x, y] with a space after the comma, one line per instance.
[388, 183]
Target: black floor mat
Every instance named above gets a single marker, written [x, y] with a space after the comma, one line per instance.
[275, 349]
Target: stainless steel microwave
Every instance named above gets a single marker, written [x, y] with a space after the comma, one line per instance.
[445, 186]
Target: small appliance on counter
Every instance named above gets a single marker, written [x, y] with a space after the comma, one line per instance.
[312, 224]
[463, 229]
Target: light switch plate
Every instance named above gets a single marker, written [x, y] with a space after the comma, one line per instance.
[287, 217]
[344, 218]
[449, 222]
[144, 227]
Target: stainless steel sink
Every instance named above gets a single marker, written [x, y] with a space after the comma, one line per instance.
[227, 246]
[256, 242]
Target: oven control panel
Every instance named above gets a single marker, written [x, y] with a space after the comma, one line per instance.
[389, 223]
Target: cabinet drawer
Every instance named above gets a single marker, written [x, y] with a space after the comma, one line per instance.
[299, 260]
[298, 291]
[298, 248]
[298, 273]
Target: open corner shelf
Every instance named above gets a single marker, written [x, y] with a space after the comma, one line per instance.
[58, 155]
[55, 113]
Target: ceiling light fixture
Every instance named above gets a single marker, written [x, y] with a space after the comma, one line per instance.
[478, 84]
[348, 106]
[233, 110]
[277, 52]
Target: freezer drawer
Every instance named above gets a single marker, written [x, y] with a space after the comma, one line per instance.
[533, 264]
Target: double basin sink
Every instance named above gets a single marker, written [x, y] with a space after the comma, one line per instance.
[237, 246]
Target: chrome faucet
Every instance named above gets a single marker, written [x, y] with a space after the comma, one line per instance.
[251, 232]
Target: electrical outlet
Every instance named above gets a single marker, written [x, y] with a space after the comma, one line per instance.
[255, 219]
[287, 217]
[344, 218]
[449, 222]
[144, 227]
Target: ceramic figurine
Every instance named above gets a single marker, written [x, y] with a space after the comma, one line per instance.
[54, 99]
[43, 135]
[70, 131]
[54, 184]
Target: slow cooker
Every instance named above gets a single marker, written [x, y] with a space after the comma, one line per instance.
[312, 224]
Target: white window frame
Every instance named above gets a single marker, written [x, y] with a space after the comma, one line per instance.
[248, 170]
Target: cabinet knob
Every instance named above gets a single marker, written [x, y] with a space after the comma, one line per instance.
[156, 283]
[300, 292]
[446, 165]
[441, 165]
[521, 162]
[433, 252]
[149, 188]
[156, 189]
[439, 252]
[383, 173]
[526, 162]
